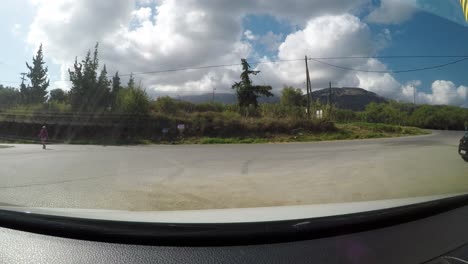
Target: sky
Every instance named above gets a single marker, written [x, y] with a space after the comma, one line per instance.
[157, 35]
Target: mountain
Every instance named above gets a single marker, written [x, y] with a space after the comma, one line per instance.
[350, 98]
[225, 98]
[345, 98]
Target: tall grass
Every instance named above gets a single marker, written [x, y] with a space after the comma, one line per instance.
[118, 127]
[51, 108]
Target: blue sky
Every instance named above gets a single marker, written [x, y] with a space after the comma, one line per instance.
[140, 34]
[436, 29]
[428, 34]
[14, 50]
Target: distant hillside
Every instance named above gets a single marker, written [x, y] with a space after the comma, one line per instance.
[225, 98]
[348, 98]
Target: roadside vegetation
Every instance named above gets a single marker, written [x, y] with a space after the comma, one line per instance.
[344, 132]
[102, 110]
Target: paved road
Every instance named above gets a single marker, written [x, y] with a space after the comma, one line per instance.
[222, 176]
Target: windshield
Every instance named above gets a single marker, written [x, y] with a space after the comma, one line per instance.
[170, 105]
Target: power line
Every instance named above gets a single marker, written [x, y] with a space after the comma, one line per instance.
[180, 69]
[205, 67]
[464, 57]
[396, 71]
[316, 59]
[191, 68]
[392, 57]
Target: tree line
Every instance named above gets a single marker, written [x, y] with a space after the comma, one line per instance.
[91, 90]
[293, 105]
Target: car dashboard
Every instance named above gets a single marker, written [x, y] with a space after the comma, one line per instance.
[429, 232]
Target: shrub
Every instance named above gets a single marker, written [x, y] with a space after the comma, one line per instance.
[291, 96]
[165, 105]
[346, 116]
[133, 101]
[210, 107]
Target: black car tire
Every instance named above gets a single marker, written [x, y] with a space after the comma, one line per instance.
[465, 159]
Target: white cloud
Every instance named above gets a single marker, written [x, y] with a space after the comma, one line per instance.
[383, 39]
[271, 40]
[142, 15]
[408, 91]
[331, 36]
[249, 35]
[181, 33]
[68, 28]
[392, 12]
[297, 11]
[442, 93]
[147, 35]
[325, 36]
[445, 92]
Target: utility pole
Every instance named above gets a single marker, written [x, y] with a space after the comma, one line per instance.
[330, 103]
[23, 78]
[25, 93]
[414, 94]
[309, 88]
[214, 89]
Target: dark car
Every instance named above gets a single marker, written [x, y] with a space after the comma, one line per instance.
[463, 148]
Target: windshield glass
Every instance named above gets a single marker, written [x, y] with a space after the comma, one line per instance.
[184, 105]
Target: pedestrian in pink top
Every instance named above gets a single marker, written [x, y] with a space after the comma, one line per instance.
[43, 135]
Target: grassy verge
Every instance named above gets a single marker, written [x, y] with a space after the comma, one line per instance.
[102, 141]
[372, 130]
[344, 132]
[111, 142]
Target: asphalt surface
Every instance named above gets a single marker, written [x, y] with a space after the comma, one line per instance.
[164, 177]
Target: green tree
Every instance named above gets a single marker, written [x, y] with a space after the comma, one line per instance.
[103, 92]
[9, 97]
[345, 115]
[131, 82]
[89, 92]
[423, 116]
[116, 87]
[37, 74]
[25, 93]
[374, 113]
[133, 101]
[166, 105]
[247, 93]
[58, 95]
[291, 96]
